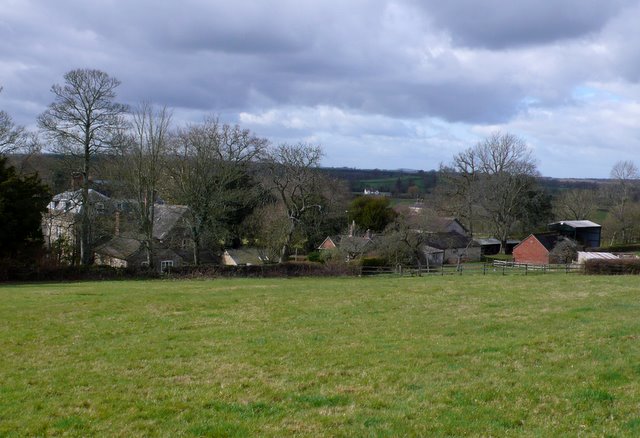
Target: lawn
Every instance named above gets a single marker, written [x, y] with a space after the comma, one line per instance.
[440, 356]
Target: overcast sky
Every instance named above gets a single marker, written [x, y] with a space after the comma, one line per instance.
[379, 84]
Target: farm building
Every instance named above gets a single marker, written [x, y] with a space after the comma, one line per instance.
[544, 249]
[454, 246]
[491, 246]
[583, 256]
[586, 233]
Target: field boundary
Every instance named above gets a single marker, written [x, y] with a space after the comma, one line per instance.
[496, 267]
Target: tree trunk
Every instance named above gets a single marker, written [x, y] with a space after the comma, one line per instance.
[196, 247]
[85, 221]
[284, 252]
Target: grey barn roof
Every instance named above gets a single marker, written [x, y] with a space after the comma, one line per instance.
[577, 224]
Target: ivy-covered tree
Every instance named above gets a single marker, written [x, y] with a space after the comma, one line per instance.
[23, 199]
[372, 213]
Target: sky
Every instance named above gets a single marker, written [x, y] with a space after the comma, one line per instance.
[378, 84]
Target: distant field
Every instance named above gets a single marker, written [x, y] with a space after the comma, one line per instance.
[387, 184]
[554, 355]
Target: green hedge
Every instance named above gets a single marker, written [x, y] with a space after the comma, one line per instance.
[374, 261]
[613, 267]
[627, 247]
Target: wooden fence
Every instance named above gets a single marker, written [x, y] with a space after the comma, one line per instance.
[498, 267]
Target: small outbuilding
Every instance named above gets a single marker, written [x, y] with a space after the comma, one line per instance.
[455, 247]
[585, 233]
[535, 249]
[583, 256]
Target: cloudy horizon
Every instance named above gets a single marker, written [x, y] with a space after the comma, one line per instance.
[378, 84]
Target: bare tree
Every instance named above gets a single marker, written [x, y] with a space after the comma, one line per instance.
[494, 176]
[625, 177]
[295, 181]
[141, 166]
[404, 241]
[209, 170]
[508, 171]
[458, 192]
[82, 121]
[16, 139]
[11, 135]
[575, 204]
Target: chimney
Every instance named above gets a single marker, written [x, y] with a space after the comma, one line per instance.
[116, 230]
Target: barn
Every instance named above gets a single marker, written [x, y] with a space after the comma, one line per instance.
[535, 249]
[586, 233]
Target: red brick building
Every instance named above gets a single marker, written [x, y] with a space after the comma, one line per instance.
[535, 249]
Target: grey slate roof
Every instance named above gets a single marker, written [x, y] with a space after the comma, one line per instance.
[119, 247]
[247, 256]
[165, 219]
[354, 244]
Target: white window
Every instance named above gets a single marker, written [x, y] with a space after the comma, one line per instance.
[165, 265]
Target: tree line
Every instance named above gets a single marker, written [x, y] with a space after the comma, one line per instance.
[239, 188]
[235, 184]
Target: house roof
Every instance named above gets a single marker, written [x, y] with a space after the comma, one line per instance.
[548, 240]
[448, 240]
[119, 247]
[330, 241]
[576, 224]
[488, 241]
[354, 244]
[71, 201]
[247, 256]
[166, 218]
[431, 250]
[442, 224]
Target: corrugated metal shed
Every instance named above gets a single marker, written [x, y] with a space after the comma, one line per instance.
[587, 255]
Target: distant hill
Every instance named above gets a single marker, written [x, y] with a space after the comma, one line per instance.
[399, 181]
[55, 171]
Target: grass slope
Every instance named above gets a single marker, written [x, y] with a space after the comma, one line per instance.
[471, 355]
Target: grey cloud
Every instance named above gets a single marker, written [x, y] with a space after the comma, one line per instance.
[454, 62]
[499, 24]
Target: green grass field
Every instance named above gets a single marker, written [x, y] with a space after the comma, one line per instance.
[554, 355]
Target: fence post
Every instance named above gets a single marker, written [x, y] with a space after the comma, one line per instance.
[503, 268]
[484, 268]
